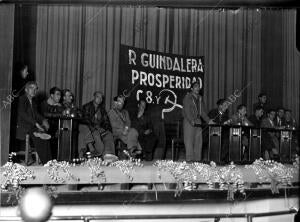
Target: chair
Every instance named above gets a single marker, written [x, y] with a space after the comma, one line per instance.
[28, 151]
[177, 140]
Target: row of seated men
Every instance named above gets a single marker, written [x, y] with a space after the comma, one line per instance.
[98, 129]
[195, 117]
[271, 119]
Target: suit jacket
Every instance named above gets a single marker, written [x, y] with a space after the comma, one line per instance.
[118, 121]
[217, 117]
[28, 116]
[50, 111]
[193, 109]
[265, 107]
[96, 118]
[256, 122]
[141, 124]
[278, 121]
[267, 123]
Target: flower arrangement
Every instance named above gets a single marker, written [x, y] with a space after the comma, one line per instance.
[55, 168]
[273, 172]
[186, 175]
[183, 173]
[15, 173]
[126, 166]
[229, 177]
[95, 166]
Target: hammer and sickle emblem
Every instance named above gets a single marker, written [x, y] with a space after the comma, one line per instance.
[168, 100]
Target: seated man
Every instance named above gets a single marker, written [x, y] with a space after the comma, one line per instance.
[270, 143]
[121, 126]
[279, 119]
[141, 121]
[30, 122]
[70, 109]
[51, 109]
[239, 118]
[52, 106]
[220, 116]
[95, 130]
[290, 123]
[255, 119]
[67, 99]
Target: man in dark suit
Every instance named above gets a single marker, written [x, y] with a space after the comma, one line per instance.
[141, 121]
[240, 117]
[279, 119]
[51, 108]
[30, 122]
[95, 130]
[220, 116]
[270, 143]
[255, 119]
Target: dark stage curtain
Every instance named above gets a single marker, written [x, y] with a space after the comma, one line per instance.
[6, 64]
[291, 64]
[77, 47]
[58, 47]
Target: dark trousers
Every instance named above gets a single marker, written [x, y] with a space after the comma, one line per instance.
[102, 144]
[160, 133]
[42, 147]
[269, 141]
[53, 131]
[148, 143]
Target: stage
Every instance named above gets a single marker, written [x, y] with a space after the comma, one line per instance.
[139, 172]
[164, 190]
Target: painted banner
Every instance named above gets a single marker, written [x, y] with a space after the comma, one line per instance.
[161, 79]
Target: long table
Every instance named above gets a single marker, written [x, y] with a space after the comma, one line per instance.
[233, 136]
